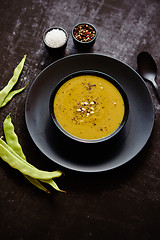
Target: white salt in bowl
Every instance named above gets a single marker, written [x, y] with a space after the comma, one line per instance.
[55, 39]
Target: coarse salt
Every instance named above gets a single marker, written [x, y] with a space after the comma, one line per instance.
[55, 38]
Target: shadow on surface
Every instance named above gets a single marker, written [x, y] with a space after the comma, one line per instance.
[82, 153]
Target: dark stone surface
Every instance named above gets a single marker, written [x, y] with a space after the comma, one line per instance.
[119, 204]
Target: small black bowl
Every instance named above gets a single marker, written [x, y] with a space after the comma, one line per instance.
[84, 35]
[51, 46]
[95, 73]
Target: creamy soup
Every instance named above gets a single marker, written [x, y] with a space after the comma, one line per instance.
[89, 107]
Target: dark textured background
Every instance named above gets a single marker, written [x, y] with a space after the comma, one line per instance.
[120, 204]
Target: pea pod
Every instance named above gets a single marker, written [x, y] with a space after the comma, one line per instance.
[36, 183]
[26, 168]
[5, 145]
[11, 137]
[12, 152]
[30, 179]
[15, 148]
[53, 184]
[6, 90]
[11, 95]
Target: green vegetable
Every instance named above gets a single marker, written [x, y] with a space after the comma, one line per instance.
[36, 183]
[11, 137]
[25, 167]
[5, 94]
[12, 153]
[52, 183]
[11, 95]
[32, 180]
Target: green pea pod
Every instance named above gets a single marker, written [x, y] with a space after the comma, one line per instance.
[11, 137]
[5, 91]
[53, 184]
[29, 177]
[26, 168]
[16, 149]
[5, 145]
[11, 95]
[9, 149]
[35, 182]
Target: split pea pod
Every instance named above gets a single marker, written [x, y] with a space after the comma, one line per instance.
[5, 91]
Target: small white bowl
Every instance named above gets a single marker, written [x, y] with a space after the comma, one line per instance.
[51, 45]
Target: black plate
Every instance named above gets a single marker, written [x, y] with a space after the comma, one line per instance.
[81, 156]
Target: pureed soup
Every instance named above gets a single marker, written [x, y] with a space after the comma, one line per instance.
[89, 107]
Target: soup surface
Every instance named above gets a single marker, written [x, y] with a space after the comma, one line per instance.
[89, 107]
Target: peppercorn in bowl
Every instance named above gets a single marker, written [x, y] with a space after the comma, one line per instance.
[84, 35]
[89, 106]
[55, 39]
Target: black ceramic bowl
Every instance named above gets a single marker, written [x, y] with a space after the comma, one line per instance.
[55, 42]
[84, 35]
[95, 73]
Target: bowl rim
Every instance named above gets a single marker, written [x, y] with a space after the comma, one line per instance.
[50, 29]
[81, 42]
[108, 78]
